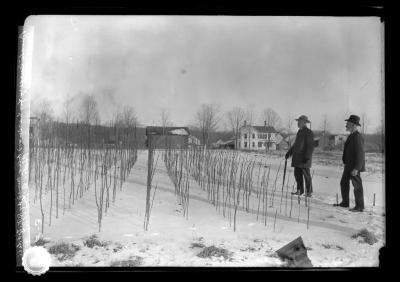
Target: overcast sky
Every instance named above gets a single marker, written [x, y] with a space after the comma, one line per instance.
[295, 65]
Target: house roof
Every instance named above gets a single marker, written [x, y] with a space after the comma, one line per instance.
[159, 130]
[264, 129]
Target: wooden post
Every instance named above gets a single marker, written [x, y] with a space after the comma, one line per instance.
[337, 199]
[312, 176]
[374, 200]
[149, 176]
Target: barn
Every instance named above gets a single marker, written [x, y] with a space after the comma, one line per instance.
[159, 137]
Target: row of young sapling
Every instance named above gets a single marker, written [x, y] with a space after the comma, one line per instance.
[233, 181]
[64, 172]
[174, 162]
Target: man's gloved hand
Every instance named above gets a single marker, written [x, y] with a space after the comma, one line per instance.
[305, 160]
[287, 155]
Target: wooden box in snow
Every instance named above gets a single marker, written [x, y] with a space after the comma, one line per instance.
[295, 253]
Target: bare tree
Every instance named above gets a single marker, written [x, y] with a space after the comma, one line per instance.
[325, 130]
[44, 111]
[364, 123]
[249, 116]
[380, 130]
[236, 117]
[67, 109]
[90, 112]
[128, 117]
[271, 118]
[207, 120]
[165, 117]
[125, 125]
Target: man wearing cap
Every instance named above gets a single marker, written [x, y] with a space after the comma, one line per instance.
[354, 162]
[301, 153]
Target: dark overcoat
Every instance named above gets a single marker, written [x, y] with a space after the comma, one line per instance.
[302, 149]
[353, 152]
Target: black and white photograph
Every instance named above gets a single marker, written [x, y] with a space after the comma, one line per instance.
[202, 141]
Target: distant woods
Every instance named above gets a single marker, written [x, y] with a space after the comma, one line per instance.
[80, 124]
[209, 123]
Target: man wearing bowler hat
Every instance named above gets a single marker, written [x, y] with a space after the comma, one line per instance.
[301, 153]
[354, 162]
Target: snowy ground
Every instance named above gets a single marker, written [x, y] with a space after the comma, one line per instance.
[173, 240]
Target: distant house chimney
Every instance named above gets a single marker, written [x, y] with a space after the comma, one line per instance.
[244, 123]
[265, 123]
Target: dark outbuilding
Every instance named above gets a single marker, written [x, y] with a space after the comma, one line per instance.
[167, 137]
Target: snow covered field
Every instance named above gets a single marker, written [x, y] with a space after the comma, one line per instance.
[173, 240]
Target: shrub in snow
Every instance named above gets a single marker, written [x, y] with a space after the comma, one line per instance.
[92, 241]
[366, 236]
[197, 245]
[63, 250]
[40, 242]
[211, 251]
[117, 248]
[132, 261]
[330, 246]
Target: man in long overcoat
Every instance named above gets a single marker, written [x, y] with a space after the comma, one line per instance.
[354, 163]
[301, 153]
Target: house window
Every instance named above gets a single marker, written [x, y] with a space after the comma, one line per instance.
[245, 144]
[245, 136]
[254, 136]
[254, 144]
[259, 144]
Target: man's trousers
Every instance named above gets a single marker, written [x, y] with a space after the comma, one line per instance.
[358, 188]
[299, 173]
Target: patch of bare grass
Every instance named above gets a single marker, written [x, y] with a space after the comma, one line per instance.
[333, 246]
[213, 251]
[197, 245]
[366, 236]
[40, 242]
[130, 262]
[64, 250]
[249, 249]
[92, 241]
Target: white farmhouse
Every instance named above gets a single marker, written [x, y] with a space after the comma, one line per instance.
[260, 138]
[193, 141]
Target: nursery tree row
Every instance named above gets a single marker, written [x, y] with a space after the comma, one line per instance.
[60, 173]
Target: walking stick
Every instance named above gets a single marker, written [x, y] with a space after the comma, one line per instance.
[283, 183]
